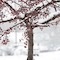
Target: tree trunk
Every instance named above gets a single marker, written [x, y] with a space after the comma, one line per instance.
[30, 43]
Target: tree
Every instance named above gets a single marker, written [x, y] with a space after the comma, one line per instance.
[30, 14]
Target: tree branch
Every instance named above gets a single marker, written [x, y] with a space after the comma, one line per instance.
[44, 6]
[10, 28]
[27, 14]
[11, 19]
[51, 19]
[11, 8]
[41, 25]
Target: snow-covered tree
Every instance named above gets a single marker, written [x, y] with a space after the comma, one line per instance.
[28, 14]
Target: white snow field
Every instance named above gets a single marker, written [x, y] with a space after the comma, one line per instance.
[55, 55]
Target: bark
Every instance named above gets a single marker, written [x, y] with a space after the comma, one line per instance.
[30, 45]
[30, 42]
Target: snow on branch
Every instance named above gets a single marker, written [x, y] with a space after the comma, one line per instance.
[10, 28]
[51, 19]
[12, 19]
[28, 14]
[44, 6]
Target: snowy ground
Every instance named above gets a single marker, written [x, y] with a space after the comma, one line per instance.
[48, 56]
[42, 56]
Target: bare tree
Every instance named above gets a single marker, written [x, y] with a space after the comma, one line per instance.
[32, 12]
